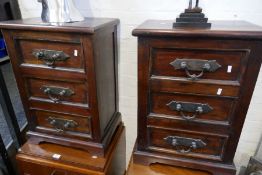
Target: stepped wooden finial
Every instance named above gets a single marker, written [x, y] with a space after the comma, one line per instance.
[192, 17]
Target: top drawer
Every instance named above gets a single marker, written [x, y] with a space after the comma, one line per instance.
[52, 54]
[215, 64]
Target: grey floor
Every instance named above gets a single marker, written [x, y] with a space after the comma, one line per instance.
[16, 101]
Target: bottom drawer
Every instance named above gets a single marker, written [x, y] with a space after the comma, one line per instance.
[28, 168]
[187, 143]
[62, 124]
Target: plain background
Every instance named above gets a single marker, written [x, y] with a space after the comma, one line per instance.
[134, 12]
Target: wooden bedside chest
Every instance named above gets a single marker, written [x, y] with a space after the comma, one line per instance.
[194, 90]
[67, 78]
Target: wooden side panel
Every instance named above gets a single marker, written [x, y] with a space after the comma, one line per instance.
[19, 79]
[143, 92]
[105, 57]
[246, 92]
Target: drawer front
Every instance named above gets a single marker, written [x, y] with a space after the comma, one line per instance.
[201, 87]
[190, 107]
[69, 108]
[57, 91]
[62, 124]
[187, 143]
[52, 54]
[28, 168]
[207, 64]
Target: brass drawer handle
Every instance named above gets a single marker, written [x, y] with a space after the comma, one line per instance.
[60, 124]
[185, 145]
[196, 108]
[195, 65]
[55, 93]
[50, 56]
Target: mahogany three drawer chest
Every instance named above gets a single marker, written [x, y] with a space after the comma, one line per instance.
[67, 78]
[194, 90]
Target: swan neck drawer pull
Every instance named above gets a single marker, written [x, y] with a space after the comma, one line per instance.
[50, 56]
[185, 145]
[56, 93]
[62, 125]
[189, 107]
[198, 65]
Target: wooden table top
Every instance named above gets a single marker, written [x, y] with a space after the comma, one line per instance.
[158, 169]
[72, 156]
[89, 25]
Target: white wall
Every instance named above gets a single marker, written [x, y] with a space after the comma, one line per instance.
[132, 13]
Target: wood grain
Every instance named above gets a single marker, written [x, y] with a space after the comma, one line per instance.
[80, 93]
[161, 59]
[38, 159]
[91, 74]
[83, 128]
[213, 150]
[219, 29]
[74, 62]
[221, 107]
[236, 44]
[160, 169]
[88, 26]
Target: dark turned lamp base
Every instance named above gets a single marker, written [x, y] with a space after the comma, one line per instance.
[193, 18]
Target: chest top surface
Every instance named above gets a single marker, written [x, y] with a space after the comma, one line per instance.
[89, 25]
[230, 29]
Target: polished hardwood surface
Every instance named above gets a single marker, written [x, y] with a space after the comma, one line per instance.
[220, 29]
[194, 90]
[67, 76]
[160, 169]
[89, 25]
[39, 159]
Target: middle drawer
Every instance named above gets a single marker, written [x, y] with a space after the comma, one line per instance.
[192, 107]
[57, 91]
